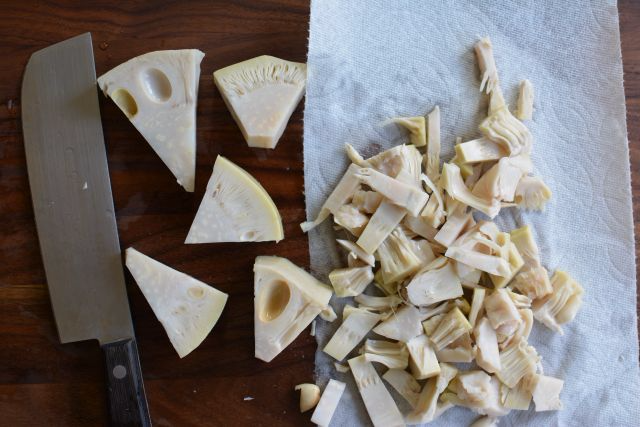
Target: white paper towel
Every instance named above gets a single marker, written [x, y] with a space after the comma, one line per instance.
[370, 60]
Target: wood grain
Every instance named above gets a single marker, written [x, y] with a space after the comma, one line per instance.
[44, 383]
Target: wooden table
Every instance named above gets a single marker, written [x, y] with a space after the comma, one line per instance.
[44, 383]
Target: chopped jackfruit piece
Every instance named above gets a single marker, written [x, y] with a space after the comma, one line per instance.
[432, 157]
[453, 228]
[434, 212]
[235, 208]
[420, 226]
[416, 127]
[502, 312]
[487, 65]
[393, 355]
[397, 257]
[518, 397]
[261, 94]
[357, 252]
[328, 314]
[459, 351]
[309, 396]
[499, 182]
[478, 151]
[404, 384]
[381, 224]
[328, 403]
[423, 250]
[355, 157]
[485, 421]
[480, 392]
[476, 305]
[512, 256]
[351, 219]
[532, 193]
[379, 403]
[425, 410]
[352, 330]
[158, 92]
[397, 192]
[516, 361]
[525, 100]
[452, 326]
[546, 393]
[503, 128]
[454, 185]
[402, 325]
[350, 281]
[422, 358]
[562, 305]
[436, 282]
[469, 276]
[487, 354]
[526, 245]
[378, 303]
[366, 201]
[287, 299]
[187, 308]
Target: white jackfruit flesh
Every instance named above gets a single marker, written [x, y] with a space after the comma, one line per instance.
[287, 300]
[422, 358]
[366, 201]
[187, 308]
[478, 151]
[404, 384]
[502, 312]
[235, 208]
[158, 92]
[328, 403]
[350, 281]
[526, 245]
[487, 351]
[453, 228]
[378, 303]
[487, 64]
[516, 361]
[459, 351]
[397, 257]
[562, 305]
[416, 127]
[309, 396]
[397, 192]
[351, 219]
[525, 100]
[503, 128]
[357, 252]
[518, 397]
[425, 410]
[477, 302]
[454, 185]
[432, 156]
[379, 403]
[420, 226]
[380, 225]
[546, 393]
[434, 212]
[355, 157]
[452, 326]
[402, 325]
[352, 330]
[532, 193]
[478, 391]
[261, 94]
[511, 254]
[435, 283]
[393, 355]
[499, 182]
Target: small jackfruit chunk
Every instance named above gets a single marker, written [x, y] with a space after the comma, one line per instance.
[476, 305]
[357, 252]
[432, 156]
[341, 368]
[422, 358]
[423, 250]
[235, 208]
[518, 397]
[355, 157]
[366, 201]
[350, 281]
[407, 196]
[187, 308]
[402, 162]
[503, 128]
[562, 305]
[453, 228]
[434, 212]
[436, 282]
[487, 352]
[485, 422]
[426, 408]
[351, 219]
[452, 182]
[378, 303]
[512, 256]
[352, 330]
[379, 403]
[532, 193]
[526, 245]
[546, 393]
[393, 355]
[533, 282]
[328, 403]
[478, 151]
[469, 276]
[525, 100]
[328, 314]
[402, 325]
[502, 312]
[404, 384]
[345, 189]
[287, 299]
[516, 361]
[459, 351]
[452, 326]
[420, 226]
[261, 94]
[380, 225]
[397, 257]
[480, 392]
[481, 261]
[487, 65]
[500, 181]
[416, 128]
[158, 92]
[309, 396]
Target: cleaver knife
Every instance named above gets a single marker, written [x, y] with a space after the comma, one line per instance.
[73, 207]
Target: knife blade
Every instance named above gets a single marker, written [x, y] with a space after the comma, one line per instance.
[74, 213]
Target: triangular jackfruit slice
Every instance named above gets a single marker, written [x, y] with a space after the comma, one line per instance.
[261, 94]
[158, 92]
[287, 299]
[187, 308]
[235, 208]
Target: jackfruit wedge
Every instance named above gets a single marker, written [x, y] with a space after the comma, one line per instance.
[187, 308]
[261, 94]
[235, 208]
[158, 92]
[287, 299]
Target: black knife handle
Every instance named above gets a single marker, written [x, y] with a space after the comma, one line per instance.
[125, 389]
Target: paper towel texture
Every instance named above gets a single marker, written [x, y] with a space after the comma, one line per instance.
[370, 60]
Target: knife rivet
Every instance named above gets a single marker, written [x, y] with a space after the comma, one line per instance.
[119, 372]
